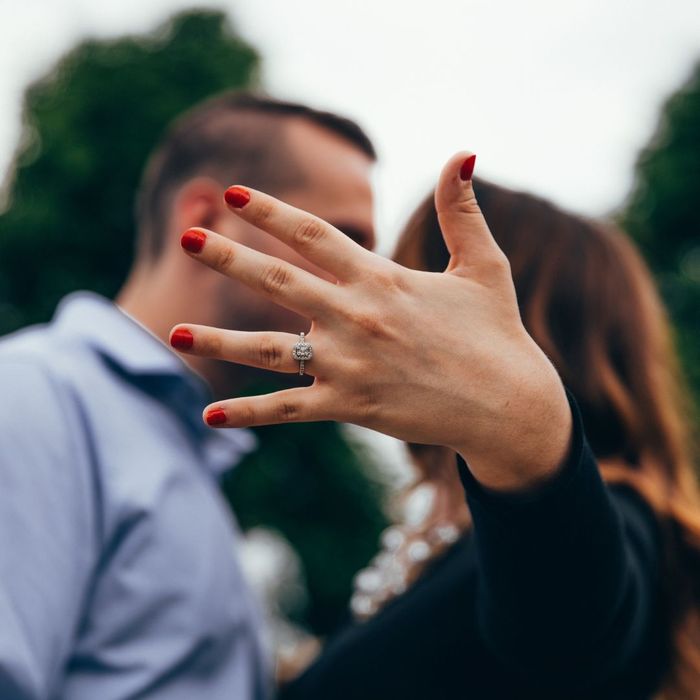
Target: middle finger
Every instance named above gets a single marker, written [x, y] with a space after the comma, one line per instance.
[280, 281]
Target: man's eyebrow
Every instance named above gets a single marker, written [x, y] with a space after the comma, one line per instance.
[365, 237]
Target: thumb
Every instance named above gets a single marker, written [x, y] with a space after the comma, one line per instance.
[464, 229]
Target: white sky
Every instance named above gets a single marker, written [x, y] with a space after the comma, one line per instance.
[555, 96]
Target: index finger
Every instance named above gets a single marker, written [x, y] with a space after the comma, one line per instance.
[312, 237]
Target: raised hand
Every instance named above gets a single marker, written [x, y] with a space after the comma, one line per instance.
[438, 358]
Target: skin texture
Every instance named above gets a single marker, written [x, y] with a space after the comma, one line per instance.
[335, 185]
[438, 358]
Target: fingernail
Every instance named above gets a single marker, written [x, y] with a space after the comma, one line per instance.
[182, 339]
[237, 197]
[467, 169]
[193, 241]
[215, 417]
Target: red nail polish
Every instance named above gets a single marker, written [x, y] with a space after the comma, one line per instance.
[193, 241]
[467, 169]
[237, 197]
[182, 339]
[215, 417]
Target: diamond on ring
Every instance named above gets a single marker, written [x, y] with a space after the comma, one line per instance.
[302, 352]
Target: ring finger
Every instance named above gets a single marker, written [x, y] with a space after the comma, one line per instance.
[263, 349]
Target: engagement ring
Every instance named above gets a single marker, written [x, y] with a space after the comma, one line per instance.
[302, 351]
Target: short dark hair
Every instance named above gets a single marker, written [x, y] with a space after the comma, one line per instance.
[234, 135]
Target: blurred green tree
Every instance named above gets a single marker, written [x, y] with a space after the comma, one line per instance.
[663, 215]
[89, 125]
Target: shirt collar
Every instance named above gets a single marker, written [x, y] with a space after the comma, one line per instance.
[140, 354]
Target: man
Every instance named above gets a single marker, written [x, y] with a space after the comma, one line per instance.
[118, 575]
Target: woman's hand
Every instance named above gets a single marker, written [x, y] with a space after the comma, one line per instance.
[438, 358]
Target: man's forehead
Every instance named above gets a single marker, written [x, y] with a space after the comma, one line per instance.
[336, 180]
[313, 145]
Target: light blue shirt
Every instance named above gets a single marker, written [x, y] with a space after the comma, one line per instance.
[118, 570]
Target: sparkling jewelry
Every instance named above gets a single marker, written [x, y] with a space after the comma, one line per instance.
[404, 555]
[302, 352]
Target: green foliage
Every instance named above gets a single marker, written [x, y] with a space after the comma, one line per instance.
[90, 124]
[89, 127]
[663, 216]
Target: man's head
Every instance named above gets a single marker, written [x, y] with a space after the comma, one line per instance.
[314, 160]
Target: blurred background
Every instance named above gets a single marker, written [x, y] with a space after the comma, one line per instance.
[595, 105]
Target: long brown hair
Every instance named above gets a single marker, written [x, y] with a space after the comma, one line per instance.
[589, 301]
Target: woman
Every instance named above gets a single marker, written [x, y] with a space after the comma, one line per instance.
[559, 588]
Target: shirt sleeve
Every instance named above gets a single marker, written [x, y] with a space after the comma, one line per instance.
[46, 532]
[567, 577]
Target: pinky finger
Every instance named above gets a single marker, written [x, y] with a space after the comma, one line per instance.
[298, 405]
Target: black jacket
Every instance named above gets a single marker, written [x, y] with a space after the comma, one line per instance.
[555, 593]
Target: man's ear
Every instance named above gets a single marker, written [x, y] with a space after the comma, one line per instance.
[198, 202]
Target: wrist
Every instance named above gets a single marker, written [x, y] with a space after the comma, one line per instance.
[531, 441]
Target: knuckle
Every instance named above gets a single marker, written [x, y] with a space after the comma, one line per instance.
[274, 278]
[368, 405]
[225, 258]
[503, 261]
[212, 345]
[287, 411]
[308, 233]
[370, 323]
[497, 264]
[263, 212]
[467, 203]
[248, 415]
[390, 280]
[269, 354]
[469, 207]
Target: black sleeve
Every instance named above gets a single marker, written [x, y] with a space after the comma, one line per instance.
[567, 574]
